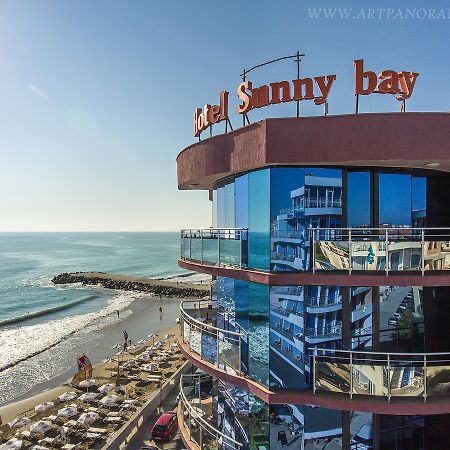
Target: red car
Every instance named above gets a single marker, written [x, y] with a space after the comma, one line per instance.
[166, 426]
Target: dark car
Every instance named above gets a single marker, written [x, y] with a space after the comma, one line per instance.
[166, 426]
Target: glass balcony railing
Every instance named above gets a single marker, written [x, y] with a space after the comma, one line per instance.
[333, 330]
[381, 374]
[220, 347]
[195, 413]
[215, 246]
[380, 249]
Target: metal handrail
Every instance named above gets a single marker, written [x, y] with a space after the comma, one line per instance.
[207, 426]
[366, 352]
[203, 325]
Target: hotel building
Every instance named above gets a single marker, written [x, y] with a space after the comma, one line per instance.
[328, 322]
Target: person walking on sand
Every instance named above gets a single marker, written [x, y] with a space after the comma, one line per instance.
[118, 313]
[125, 337]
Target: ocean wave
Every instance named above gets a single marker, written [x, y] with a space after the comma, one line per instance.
[19, 344]
[43, 312]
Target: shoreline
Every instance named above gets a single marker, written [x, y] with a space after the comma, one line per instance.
[140, 318]
[160, 287]
[26, 403]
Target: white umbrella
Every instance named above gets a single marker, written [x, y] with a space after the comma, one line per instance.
[68, 396]
[41, 427]
[68, 411]
[19, 422]
[109, 400]
[87, 418]
[38, 447]
[106, 388]
[12, 444]
[44, 406]
[87, 397]
[87, 384]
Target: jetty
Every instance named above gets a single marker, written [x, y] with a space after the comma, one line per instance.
[163, 287]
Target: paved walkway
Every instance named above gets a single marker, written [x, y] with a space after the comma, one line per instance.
[142, 439]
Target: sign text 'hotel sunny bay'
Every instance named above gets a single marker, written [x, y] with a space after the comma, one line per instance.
[401, 84]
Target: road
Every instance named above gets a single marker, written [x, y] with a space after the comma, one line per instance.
[142, 438]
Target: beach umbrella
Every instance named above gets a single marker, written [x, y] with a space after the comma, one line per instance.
[19, 422]
[68, 396]
[41, 427]
[12, 444]
[107, 388]
[87, 384]
[44, 406]
[87, 418]
[109, 400]
[87, 397]
[38, 447]
[68, 411]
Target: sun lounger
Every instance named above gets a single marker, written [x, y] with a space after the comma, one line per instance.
[113, 414]
[71, 446]
[71, 423]
[47, 440]
[97, 430]
[112, 419]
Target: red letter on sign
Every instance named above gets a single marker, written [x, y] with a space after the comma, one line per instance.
[359, 79]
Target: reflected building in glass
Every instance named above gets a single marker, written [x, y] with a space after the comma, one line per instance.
[327, 325]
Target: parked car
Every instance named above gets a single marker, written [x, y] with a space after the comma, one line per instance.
[166, 426]
[393, 321]
[409, 296]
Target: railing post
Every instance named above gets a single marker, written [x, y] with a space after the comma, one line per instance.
[313, 250]
[217, 347]
[423, 252]
[350, 252]
[389, 377]
[314, 369]
[201, 335]
[240, 355]
[425, 378]
[190, 245]
[386, 268]
[218, 248]
[240, 250]
[351, 375]
[201, 247]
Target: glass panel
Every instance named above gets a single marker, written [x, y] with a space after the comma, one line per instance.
[259, 220]
[242, 320]
[361, 432]
[394, 200]
[407, 380]
[229, 357]
[241, 201]
[323, 428]
[438, 380]
[185, 247]
[196, 248]
[214, 209]
[221, 207]
[289, 240]
[230, 248]
[210, 248]
[209, 346]
[361, 318]
[370, 376]
[419, 202]
[401, 319]
[229, 206]
[286, 426]
[368, 255]
[195, 340]
[333, 375]
[437, 255]
[258, 418]
[186, 331]
[358, 199]
[195, 430]
[259, 332]
[331, 255]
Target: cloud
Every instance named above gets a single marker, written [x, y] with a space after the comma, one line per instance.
[38, 92]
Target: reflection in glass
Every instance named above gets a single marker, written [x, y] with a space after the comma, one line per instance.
[323, 428]
[333, 375]
[394, 199]
[361, 318]
[258, 419]
[331, 255]
[259, 220]
[358, 199]
[286, 426]
[361, 432]
[438, 380]
[258, 361]
[229, 205]
[419, 202]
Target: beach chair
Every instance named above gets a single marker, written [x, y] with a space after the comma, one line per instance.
[97, 430]
[71, 446]
[47, 441]
[118, 419]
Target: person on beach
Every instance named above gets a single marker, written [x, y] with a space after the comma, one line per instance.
[160, 309]
[87, 366]
[125, 343]
[118, 313]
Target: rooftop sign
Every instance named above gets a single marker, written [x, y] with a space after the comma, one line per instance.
[401, 84]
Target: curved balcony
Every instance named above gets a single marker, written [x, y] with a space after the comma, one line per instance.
[338, 378]
[195, 417]
[382, 374]
[220, 347]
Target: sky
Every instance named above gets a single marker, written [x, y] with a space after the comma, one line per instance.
[97, 97]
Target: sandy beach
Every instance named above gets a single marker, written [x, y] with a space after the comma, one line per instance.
[148, 363]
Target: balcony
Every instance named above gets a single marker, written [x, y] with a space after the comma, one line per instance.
[381, 249]
[327, 332]
[382, 374]
[215, 246]
[195, 416]
[217, 346]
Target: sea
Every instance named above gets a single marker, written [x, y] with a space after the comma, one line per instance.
[42, 323]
